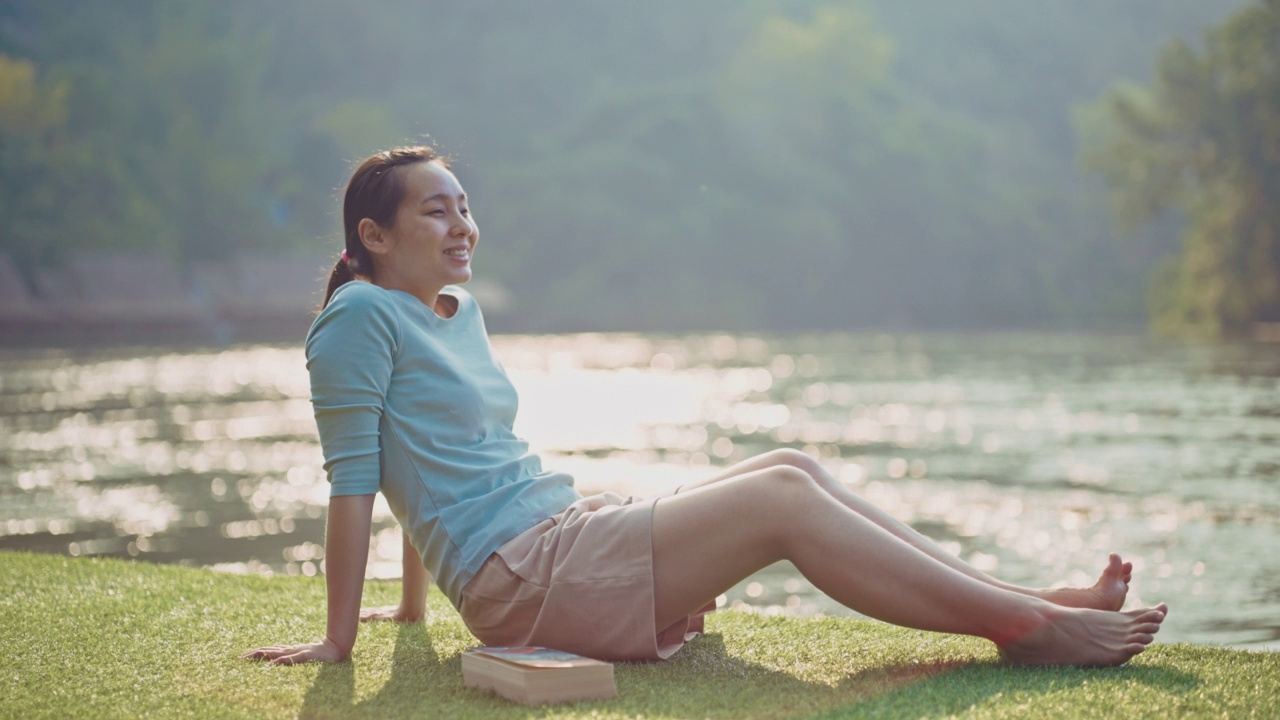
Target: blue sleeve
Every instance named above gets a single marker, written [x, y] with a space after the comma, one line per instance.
[350, 351]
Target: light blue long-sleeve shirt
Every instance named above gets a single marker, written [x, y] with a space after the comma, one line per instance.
[417, 406]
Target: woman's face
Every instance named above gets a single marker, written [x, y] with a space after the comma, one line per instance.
[431, 241]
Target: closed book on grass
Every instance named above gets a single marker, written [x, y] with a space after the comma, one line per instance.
[535, 675]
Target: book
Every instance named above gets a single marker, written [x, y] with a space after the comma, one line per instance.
[536, 675]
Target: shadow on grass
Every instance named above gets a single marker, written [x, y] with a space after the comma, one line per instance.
[950, 691]
[705, 681]
[415, 671]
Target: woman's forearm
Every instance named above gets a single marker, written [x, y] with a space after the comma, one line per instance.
[416, 580]
[346, 555]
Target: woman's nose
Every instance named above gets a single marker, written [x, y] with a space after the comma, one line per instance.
[462, 226]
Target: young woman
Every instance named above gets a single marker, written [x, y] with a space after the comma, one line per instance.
[410, 401]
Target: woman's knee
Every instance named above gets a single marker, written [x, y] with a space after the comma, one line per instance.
[790, 457]
[785, 485]
[784, 498]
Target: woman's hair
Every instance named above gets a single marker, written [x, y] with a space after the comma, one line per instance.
[374, 191]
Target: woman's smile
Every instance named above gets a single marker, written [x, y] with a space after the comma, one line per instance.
[432, 240]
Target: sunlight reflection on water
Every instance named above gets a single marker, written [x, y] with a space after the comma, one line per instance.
[1029, 456]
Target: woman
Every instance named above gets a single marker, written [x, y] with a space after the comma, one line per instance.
[409, 400]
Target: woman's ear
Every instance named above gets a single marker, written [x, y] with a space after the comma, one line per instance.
[372, 237]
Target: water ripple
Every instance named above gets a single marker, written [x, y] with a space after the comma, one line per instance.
[1029, 456]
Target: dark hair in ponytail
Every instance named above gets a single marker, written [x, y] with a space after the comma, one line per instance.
[374, 191]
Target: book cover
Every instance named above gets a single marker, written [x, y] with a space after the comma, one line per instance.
[535, 675]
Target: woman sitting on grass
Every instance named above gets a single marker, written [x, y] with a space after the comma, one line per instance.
[410, 401]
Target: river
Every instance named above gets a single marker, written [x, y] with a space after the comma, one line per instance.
[1031, 456]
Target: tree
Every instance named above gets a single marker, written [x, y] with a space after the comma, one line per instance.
[1204, 141]
[32, 138]
[148, 126]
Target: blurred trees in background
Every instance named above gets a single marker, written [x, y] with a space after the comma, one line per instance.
[162, 137]
[772, 164]
[1204, 141]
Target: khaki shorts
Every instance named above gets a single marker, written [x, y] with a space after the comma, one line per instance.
[582, 582]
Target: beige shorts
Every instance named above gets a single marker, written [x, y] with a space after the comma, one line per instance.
[582, 582]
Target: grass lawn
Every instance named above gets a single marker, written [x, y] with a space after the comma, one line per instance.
[105, 638]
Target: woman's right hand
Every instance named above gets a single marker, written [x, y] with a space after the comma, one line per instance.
[323, 651]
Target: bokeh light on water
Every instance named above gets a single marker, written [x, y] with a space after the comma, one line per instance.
[1031, 457]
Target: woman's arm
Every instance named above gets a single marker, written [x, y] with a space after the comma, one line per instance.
[413, 596]
[351, 352]
[346, 554]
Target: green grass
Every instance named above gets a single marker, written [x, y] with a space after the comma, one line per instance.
[106, 638]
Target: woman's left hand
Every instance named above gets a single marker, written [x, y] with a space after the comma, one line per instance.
[393, 613]
[323, 651]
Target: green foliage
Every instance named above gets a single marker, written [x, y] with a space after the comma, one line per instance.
[160, 641]
[790, 185]
[166, 139]
[37, 163]
[770, 164]
[1204, 141]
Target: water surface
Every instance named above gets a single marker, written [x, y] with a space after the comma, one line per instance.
[1030, 456]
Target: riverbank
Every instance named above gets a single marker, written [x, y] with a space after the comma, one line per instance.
[110, 638]
[112, 299]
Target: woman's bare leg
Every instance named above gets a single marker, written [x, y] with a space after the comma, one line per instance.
[707, 538]
[1108, 593]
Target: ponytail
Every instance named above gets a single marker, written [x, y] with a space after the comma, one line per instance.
[341, 275]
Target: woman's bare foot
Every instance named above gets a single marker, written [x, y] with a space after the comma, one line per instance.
[1106, 594]
[1086, 637]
